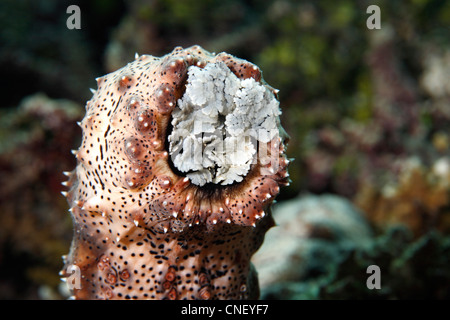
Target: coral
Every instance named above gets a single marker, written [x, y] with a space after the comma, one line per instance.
[419, 200]
[410, 269]
[313, 234]
[36, 138]
[322, 246]
[143, 229]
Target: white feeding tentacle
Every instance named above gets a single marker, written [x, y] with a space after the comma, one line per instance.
[217, 124]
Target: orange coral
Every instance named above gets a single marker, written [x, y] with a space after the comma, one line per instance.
[420, 200]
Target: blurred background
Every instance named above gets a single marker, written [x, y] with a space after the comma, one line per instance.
[368, 113]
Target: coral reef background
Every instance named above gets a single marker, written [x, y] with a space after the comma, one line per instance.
[368, 112]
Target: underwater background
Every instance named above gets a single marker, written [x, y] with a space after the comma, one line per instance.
[367, 110]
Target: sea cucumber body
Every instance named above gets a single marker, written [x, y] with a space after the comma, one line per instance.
[141, 229]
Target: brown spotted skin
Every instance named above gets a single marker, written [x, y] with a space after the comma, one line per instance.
[141, 230]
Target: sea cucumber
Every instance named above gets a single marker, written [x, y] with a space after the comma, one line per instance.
[180, 160]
